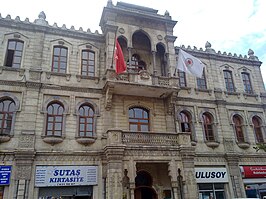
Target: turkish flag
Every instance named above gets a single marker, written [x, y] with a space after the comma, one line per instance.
[120, 65]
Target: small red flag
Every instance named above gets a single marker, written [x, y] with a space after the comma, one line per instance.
[120, 65]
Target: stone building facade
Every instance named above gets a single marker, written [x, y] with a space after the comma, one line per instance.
[72, 128]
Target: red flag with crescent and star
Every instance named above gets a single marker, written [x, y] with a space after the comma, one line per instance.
[120, 65]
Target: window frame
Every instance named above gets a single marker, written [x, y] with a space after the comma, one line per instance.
[59, 59]
[88, 65]
[208, 126]
[94, 106]
[138, 123]
[14, 51]
[239, 126]
[258, 129]
[54, 99]
[228, 80]
[11, 97]
[182, 78]
[54, 117]
[247, 82]
[202, 82]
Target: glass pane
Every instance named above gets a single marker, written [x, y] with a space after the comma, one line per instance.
[19, 46]
[58, 126]
[81, 134]
[91, 63]
[82, 127]
[18, 53]
[144, 128]
[82, 120]
[138, 113]
[15, 65]
[17, 60]
[219, 195]
[56, 51]
[89, 127]
[218, 186]
[58, 119]
[49, 133]
[11, 45]
[49, 126]
[91, 55]
[57, 133]
[64, 52]
[133, 127]
[63, 59]
[84, 55]
[205, 186]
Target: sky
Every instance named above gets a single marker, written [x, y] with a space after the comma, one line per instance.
[229, 25]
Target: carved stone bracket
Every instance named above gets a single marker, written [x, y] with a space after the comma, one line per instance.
[170, 102]
[109, 96]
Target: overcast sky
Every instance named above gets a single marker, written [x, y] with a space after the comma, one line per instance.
[229, 25]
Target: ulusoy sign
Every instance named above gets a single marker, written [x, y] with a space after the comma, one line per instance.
[211, 175]
[5, 172]
[46, 176]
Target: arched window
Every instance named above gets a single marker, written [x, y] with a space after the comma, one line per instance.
[59, 59]
[14, 53]
[257, 125]
[54, 123]
[86, 121]
[238, 124]
[138, 119]
[88, 63]
[208, 127]
[185, 121]
[7, 109]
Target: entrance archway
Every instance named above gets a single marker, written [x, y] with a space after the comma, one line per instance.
[143, 183]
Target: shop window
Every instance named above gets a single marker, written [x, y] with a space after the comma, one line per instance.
[88, 63]
[201, 81]
[228, 78]
[138, 119]
[208, 125]
[211, 191]
[54, 123]
[257, 125]
[247, 83]
[182, 78]
[86, 121]
[239, 128]
[59, 63]
[7, 109]
[14, 53]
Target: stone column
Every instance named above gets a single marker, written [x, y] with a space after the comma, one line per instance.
[187, 153]
[233, 166]
[114, 152]
[23, 161]
[153, 62]
[129, 56]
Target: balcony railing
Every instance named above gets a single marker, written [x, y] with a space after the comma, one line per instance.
[147, 138]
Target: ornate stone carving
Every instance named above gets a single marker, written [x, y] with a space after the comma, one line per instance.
[109, 97]
[24, 172]
[26, 141]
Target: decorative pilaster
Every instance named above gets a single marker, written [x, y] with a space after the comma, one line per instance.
[233, 165]
[114, 152]
[190, 185]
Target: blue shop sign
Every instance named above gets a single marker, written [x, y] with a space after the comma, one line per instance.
[5, 173]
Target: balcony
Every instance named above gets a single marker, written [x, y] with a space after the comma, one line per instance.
[140, 84]
[128, 138]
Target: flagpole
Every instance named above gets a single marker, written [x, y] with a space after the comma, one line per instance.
[114, 48]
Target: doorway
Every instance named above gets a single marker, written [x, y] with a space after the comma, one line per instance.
[144, 189]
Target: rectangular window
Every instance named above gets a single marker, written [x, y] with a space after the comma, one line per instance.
[88, 63]
[14, 53]
[201, 82]
[182, 78]
[228, 79]
[59, 59]
[211, 191]
[247, 83]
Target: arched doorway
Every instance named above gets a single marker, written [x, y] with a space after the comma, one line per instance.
[143, 183]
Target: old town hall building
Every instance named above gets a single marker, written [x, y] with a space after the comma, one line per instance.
[70, 127]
